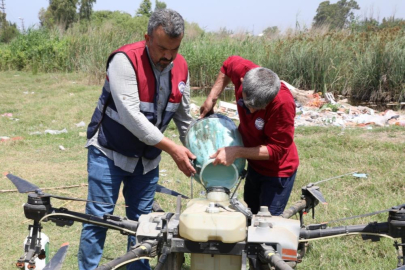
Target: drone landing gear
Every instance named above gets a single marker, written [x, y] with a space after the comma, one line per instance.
[400, 252]
[33, 248]
[173, 261]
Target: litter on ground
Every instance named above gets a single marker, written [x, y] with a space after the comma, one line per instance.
[315, 109]
[55, 132]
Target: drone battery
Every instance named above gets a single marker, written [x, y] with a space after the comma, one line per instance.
[215, 262]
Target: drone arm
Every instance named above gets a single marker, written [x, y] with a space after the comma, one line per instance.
[145, 249]
[320, 230]
[294, 209]
[63, 216]
[270, 256]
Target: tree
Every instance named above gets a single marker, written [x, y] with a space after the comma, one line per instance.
[86, 8]
[8, 30]
[271, 31]
[160, 5]
[336, 16]
[145, 9]
[61, 12]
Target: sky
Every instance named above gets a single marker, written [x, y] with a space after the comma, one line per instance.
[211, 15]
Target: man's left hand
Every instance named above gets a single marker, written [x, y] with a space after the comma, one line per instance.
[225, 155]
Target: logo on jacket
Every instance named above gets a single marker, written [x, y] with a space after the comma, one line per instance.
[259, 123]
[182, 86]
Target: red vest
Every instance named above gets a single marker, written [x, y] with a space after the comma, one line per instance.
[112, 134]
[137, 55]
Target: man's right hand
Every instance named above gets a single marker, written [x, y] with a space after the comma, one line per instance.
[207, 108]
[180, 154]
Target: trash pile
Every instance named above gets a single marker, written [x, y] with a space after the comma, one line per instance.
[342, 114]
[315, 109]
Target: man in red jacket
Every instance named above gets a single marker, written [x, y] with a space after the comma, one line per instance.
[266, 111]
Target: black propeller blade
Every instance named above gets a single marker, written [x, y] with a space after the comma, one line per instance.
[22, 185]
[314, 190]
[56, 262]
[164, 190]
[72, 199]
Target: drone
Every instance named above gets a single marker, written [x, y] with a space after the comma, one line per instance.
[218, 231]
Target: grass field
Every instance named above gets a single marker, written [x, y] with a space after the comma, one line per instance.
[59, 101]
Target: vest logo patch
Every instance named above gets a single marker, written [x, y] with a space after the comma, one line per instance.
[259, 123]
[182, 86]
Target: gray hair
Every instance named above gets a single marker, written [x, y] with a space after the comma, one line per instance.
[260, 85]
[170, 20]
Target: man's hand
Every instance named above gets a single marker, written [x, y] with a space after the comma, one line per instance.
[181, 155]
[207, 108]
[226, 155]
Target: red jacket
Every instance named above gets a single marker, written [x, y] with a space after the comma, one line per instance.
[273, 126]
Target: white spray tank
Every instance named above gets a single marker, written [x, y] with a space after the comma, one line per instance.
[40, 263]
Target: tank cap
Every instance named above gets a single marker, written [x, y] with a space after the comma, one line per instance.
[264, 212]
[264, 224]
[212, 208]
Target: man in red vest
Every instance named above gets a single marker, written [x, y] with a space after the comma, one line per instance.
[147, 85]
[266, 111]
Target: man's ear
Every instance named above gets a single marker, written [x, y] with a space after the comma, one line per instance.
[147, 38]
[241, 79]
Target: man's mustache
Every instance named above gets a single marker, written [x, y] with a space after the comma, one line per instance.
[165, 60]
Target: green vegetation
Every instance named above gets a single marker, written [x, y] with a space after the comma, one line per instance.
[364, 59]
[61, 100]
[145, 9]
[335, 16]
[367, 65]
[8, 30]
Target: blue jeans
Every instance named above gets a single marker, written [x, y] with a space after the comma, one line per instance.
[273, 192]
[104, 180]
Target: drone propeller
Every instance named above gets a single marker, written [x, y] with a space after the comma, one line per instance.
[402, 206]
[164, 190]
[315, 191]
[23, 186]
[56, 262]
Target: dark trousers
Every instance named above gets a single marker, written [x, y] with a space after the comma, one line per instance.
[273, 192]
